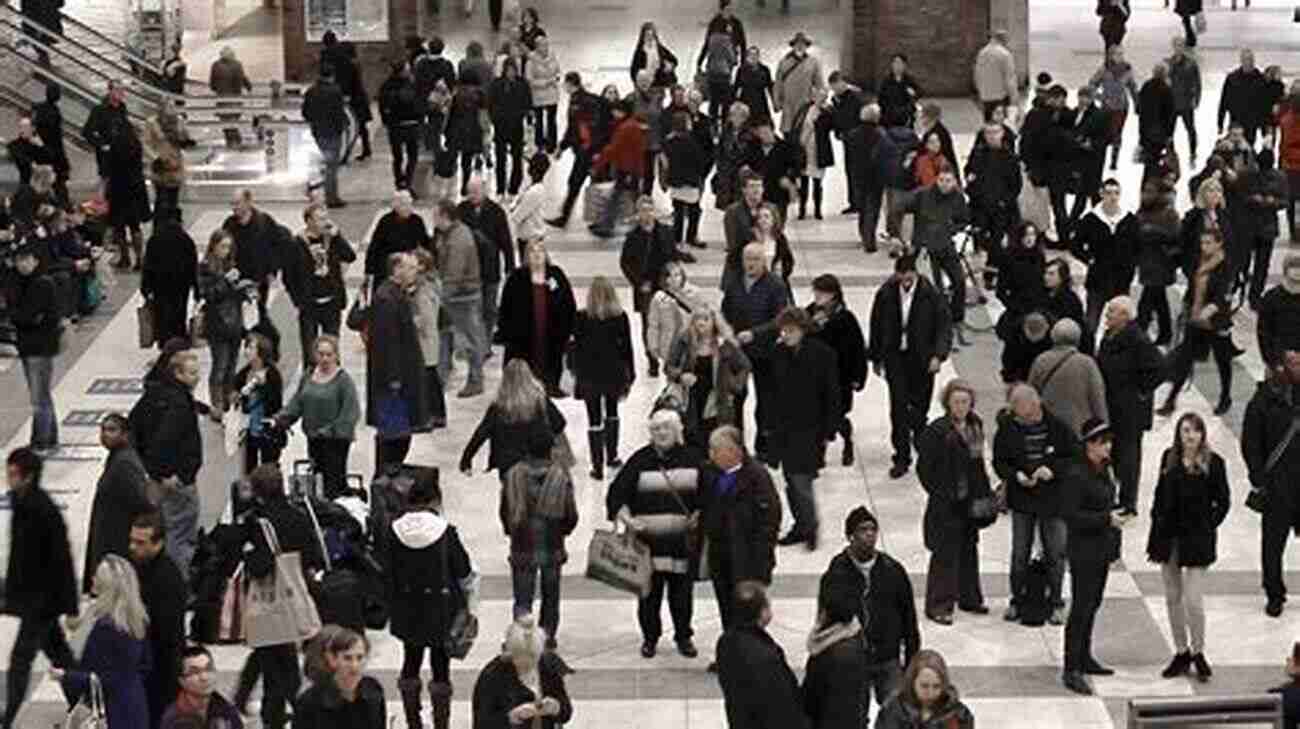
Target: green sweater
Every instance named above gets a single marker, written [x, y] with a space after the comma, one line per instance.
[328, 410]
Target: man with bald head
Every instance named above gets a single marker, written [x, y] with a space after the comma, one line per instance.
[1131, 366]
[400, 229]
[750, 304]
[1068, 380]
[1245, 97]
[1031, 450]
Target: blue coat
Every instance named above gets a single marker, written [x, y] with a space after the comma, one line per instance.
[121, 663]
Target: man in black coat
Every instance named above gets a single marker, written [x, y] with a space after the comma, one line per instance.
[398, 230]
[34, 311]
[1106, 239]
[886, 603]
[168, 276]
[395, 376]
[322, 107]
[48, 121]
[1243, 96]
[1088, 502]
[1278, 325]
[163, 591]
[775, 160]
[1088, 127]
[1270, 446]
[1131, 366]
[103, 123]
[165, 430]
[740, 515]
[491, 228]
[910, 337]
[401, 110]
[39, 583]
[751, 306]
[759, 688]
[846, 110]
[119, 496]
[586, 133]
[260, 243]
[26, 150]
[807, 405]
[993, 181]
[649, 247]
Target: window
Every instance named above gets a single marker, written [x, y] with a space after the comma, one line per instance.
[359, 21]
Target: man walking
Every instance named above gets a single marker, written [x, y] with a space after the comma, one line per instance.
[587, 113]
[398, 231]
[119, 497]
[759, 688]
[163, 590]
[402, 111]
[910, 337]
[36, 319]
[751, 306]
[1243, 97]
[491, 228]
[322, 107]
[462, 288]
[647, 249]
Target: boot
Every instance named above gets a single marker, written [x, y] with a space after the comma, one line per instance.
[817, 198]
[596, 444]
[611, 443]
[410, 689]
[846, 459]
[440, 699]
[137, 250]
[803, 197]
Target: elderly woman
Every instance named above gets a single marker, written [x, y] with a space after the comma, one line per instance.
[165, 138]
[707, 362]
[926, 698]
[537, 315]
[655, 497]
[523, 684]
[953, 473]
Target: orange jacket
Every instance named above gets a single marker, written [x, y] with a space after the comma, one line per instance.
[626, 149]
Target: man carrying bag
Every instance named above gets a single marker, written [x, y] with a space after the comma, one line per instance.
[280, 535]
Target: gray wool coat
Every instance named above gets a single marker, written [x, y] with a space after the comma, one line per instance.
[1076, 391]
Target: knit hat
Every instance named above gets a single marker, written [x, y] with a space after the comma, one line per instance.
[857, 518]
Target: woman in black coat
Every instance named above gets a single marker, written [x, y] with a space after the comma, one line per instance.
[898, 94]
[650, 50]
[429, 579]
[525, 289]
[952, 471]
[603, 369]
[835, 324]
[1020, 279]
[345, 698]
[520, 404]
[397, 403]
[1207, 310]
[1188, 10]
[753, 86]
[169, 274]
[1190, 502]
[1157, 259]
[836, 670]
[523, 684]
[509, 102]
[1062, 302]
[128, 198]
[464, 132]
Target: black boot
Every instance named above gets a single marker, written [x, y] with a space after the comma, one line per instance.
[596, 445]
[440, 699]
[803, 197]
[817, 198]
[846, 432]
[410, 689]
[611, 443]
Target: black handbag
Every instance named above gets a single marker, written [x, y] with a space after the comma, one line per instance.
[358, 316]
[983, 510]
[464, 626]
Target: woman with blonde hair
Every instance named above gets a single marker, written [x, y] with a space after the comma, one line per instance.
[116, 653]
[1190, 502]
[709, 364]
[603, 369]
[521, 402]
[952, 471]
[523, 684]
[926, 698]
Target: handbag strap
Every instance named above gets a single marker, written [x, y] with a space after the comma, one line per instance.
[268, 532]
[786, 74]
[1280, 449]
[320, 535]
[96, 691]
[1055, 368]
[676, 496]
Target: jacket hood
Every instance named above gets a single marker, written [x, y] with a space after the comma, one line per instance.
[419, 529]
[822, 638]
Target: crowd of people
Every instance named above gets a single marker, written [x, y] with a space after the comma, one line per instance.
[1062, 458]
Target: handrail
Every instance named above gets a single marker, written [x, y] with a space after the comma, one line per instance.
[15, 100]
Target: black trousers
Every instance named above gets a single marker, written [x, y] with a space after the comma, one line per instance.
[1273, 536]
[1155, 301]
[948, 264]
[577, 178]
[1263, 250]
[1195, 342]
[494, 13]
[390, 451]
[314, 320]
[405, 143]
[724, 590]
[762, 371]
[544, 132]
[329, 456]
[166, 199]
[850, 179]
[258, 450]
[281, 678]
[1188, 117]
[437, 398]
[34, 634]
[686, 222]
[1189, 31]
[1127, 459]
[413, 655]
[1087, 586]
[911, 388]
[515, 150]
[594, 410]
[953, 577]
[680, 590]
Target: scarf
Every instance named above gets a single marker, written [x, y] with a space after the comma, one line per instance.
[1201, 282]
[554, 500]
[822, 638]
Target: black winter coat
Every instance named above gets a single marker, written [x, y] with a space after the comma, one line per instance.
[897, 714]
[1267, 419]
[832, 684]
[399, 103]
[128, 198]
[259, 245]
[952, 476]
[420, 607]
[322, 108]
[165, 431]
[1019, 352]
[171, 262]
[1020, 282]
[508, 440]
[777, 163]
[841, 331]
[1195, 222]
[163, 591]
[300, 278]
[39, 581]
[293, 530]
[1132, 368]
[393, 234]
[1278, 325]
[1158, 245]
[741, 525]
[1156, 115]
[993, 177]
[515, 316]
[805, 412]
[399, 360]
[755, 311]
[104, 122]
[929, 333]
[1188, 508]
[36, 316]
[509, 102]
[754, 88]
[1009, 459]
[1108, 255]
[759, 689]
[222, 302]
[119, 498]
[663, 77]
[602, 356]
[688, 162]
[1087, 501]
[897, 98]
[498, 690]
[491, 222]
[645, 254]
[322, 705]
[891, 626]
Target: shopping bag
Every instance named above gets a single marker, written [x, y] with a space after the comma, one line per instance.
[146, 322]
[235, 429]
[89, 711]
[278, 609]
[594, 200]
[92, 294]
[621, 561]
[230, 622]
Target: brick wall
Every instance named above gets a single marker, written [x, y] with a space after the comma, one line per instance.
[302, 58]
[940, 37]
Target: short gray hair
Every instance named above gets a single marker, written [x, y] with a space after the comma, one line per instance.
[524, 637]
[1066, 331]
[1125, 303]
[871, 113]
[1022, 392]
[726, 435]
[669, 419]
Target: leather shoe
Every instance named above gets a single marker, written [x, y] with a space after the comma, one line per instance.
[898, 470]
[1075, 681]
[940, 618]
[687, 648]
[713, 667]
[1093, 668]
[791, 537]
[1274, 608]
[557, 222]
[980, 609]
[648, 649]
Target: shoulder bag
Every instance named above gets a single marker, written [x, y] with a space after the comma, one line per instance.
[692, 532]
[278, 608]
[464, 627]
[1055, 368]
[89, 711]
[1257, 499]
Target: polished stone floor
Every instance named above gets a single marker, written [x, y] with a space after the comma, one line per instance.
[1008, 674]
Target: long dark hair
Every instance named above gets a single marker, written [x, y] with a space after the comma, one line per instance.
[1201, 459]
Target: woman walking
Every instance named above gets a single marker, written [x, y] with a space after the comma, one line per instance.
[527, 218]
[1157, 258]
[1190, 502]
[653, 56]
[1208, 314]
[754, 84]
[926, 698]
[812, 129]
[524, 685]
[344, 698]
[165, 138]
[223, 293]
[707, 361]
[510, 100]
[429, 579]
[520, 405]
[329, 407]
[128, 198]
[835, 324]
[116, 653]
[261, 395]
[604, 371]
[769, 233]
[537, 314]
[953, 473]
[686, 164]
[1115, 84]
[543, 73]
[733, 149]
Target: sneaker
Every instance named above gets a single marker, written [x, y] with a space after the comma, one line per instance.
[1011, 614]
[1057, 617]
[1178, 665]
[1202, 667]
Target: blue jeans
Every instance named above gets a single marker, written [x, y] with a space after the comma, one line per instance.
[523, 581]
[466, 314]
[1051, 529]
[39, 372]
[180, 513]
[330, 149]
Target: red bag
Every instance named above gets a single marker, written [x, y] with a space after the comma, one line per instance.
[230, 628]
[95, 207]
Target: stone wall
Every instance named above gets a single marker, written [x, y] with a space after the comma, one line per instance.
[302, 59]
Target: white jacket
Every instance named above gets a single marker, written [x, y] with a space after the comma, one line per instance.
[666, 319]
[995, 73]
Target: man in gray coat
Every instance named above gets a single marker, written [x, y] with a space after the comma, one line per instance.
[1069, 381]
[462, 286]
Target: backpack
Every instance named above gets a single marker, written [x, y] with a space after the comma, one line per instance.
[1035, 599]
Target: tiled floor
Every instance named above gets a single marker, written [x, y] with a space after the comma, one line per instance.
[1009, 674]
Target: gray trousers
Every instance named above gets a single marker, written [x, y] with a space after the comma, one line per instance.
[466, 315]
[180, 513]
[1184, 600]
